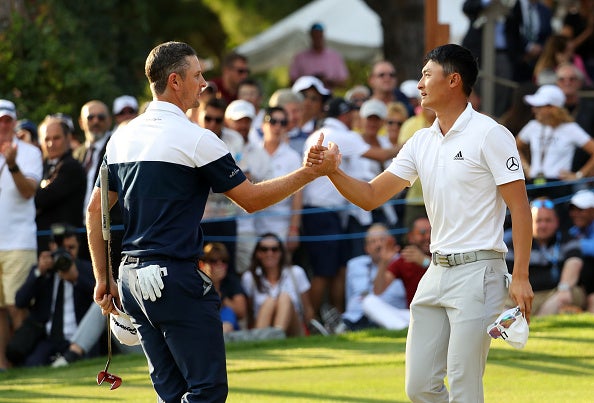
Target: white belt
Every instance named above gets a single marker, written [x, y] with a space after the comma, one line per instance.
[455, 259]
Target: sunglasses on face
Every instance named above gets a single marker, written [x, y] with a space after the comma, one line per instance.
[504, 324]
[100, 116]
[242, 71]
[571, 78]
[382, 75]
[209, 119]
[542, 203]
[265, 249]
[127, 111]
[212, 261]
[273, 121]
[394, 122]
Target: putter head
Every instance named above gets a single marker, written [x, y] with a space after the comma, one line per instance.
[112, 379]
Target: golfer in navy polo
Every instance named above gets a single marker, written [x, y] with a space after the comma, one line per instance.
[161, 169]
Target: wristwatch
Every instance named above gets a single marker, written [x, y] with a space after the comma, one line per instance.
[579, 175]
[563, 287]
[14, 169]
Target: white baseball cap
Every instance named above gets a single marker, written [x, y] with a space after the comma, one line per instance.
[409, 88]
[373, 107]
[123, 329]
[305, 82]
[583, 199]
[546, 95]
[125, 101]
[7, 108]
[240, 109]
[510, 326]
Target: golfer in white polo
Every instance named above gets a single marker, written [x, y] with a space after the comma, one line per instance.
[470, 170]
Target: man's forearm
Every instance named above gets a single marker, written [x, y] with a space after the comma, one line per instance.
[522, 240]
[96, 245]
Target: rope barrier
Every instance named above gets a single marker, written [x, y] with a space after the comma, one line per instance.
[582, 183]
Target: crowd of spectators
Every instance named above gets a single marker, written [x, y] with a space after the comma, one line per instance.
[313, 262]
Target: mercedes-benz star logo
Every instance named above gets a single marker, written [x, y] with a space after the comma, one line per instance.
[512, 164]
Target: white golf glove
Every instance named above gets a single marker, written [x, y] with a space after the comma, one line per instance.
[149, 279]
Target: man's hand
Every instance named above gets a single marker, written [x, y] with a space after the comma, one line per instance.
[45, 262]
[150, 282]
[521, 293]
[324, 160]
[9, 151]
[413, 254]
[104, 300]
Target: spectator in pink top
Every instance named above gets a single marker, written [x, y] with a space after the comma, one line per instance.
[319, 61]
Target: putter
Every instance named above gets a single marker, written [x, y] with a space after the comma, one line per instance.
[104, 376]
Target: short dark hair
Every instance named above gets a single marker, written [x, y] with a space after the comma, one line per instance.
[230, 58]
[271, 109]
[217, 103]
[456, 59]
[164, 59]
[251, 82]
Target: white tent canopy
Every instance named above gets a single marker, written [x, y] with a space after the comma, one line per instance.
[350, 27]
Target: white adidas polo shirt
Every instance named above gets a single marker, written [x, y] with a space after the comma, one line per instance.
[460, 173]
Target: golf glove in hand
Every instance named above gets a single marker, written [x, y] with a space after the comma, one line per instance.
[149, 279]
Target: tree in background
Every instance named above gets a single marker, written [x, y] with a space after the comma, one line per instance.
[404, 32]
[57, 54]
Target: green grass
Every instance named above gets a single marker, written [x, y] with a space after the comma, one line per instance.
[557, 365]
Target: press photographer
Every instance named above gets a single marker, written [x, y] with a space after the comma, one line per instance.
[57, 293]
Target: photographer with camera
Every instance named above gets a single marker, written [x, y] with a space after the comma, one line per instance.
[57, 293]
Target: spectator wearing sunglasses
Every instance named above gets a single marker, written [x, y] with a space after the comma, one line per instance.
[215, 263]
[555, 263]
[95, 121]
[278, 292]
[397, 114]
[581, 212]
[384, 84]
[234, 69]
[284, 217]
[292, 103]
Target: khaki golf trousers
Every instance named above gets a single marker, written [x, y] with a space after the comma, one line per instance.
[447, 335]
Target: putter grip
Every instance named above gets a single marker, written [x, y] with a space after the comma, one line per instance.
[105, 224]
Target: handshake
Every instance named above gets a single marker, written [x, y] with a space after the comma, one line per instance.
[323, 159]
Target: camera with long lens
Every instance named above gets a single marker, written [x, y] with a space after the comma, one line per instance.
[62, 258]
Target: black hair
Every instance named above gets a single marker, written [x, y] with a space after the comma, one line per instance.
[456, 59]
[271, 109]
[217, 103]
[255, 262]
